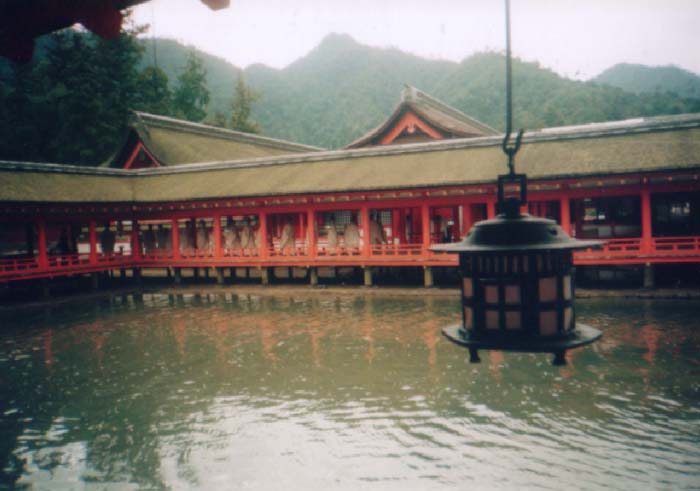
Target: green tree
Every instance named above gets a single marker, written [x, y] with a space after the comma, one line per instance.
[71, 105]
[153, 95]
[219, 120]
[191, 94]
[241, 105]
[25, 122]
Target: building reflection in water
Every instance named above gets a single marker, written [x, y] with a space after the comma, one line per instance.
[132, 386]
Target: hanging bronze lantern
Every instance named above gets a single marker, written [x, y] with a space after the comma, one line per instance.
[517, 271]
[517, 285]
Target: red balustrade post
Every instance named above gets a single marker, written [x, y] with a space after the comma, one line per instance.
[490, 209]
[565, 215]
[467, 219]
[218, 250]
[176, 238]
[425, 225]
[646, 245]
[262, 218]
[302, 230]
[366, 246]
[135, 245]
[43, 253]
[93, 241]
[395, 221]
[311, 232]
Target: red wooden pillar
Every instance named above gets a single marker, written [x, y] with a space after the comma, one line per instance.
[262, 218]
[302, 230]
[311, 232]
[395, 227]
[425, 226]
[135, 246]
[467, 219]
[565, 215]
[175, 238]
[218, 250]
[455, 230]
[490, 209]
[192, 239]
[93, 241]
[366, 246]
[43, 253]
[646, 220]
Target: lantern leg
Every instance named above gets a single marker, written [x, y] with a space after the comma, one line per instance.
[474, 355]
[559, 358]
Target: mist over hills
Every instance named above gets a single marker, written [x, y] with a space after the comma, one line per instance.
[642, 78]
[342, 88]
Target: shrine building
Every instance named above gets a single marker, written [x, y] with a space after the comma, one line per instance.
[183, 196]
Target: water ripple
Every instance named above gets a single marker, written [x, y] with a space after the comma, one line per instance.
[305, 392]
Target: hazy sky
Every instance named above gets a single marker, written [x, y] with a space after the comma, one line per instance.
[576, 38]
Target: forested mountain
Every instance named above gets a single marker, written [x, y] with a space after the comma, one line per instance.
[341, 89]
[171, 57]
[642, 78]
[71, 103]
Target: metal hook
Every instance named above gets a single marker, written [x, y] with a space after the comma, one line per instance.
[510, 149]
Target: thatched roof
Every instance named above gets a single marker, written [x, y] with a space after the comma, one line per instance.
[55, 183]
[448, 120]
[645, 145]
[174, 142]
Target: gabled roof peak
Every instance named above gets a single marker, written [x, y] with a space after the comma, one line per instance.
[414, 95]
[216, 132]
[432, 113]
[168, 141]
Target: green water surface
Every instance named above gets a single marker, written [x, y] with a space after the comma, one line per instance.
[339, 391]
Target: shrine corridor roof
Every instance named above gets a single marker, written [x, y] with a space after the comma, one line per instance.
[646, 145]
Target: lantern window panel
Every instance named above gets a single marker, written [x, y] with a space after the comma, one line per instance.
[549, 322]
[468, 287]
[548, 289]
[468, 318]
[491, 294]
[513, 320]
[493, 320]
[512, 295]
[568, 293]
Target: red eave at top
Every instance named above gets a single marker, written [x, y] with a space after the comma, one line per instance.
[409, 123]
[21, 21]
[140, 158]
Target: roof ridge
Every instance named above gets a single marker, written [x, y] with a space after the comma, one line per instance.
[414, 94]
[213, 131]
[614, 128]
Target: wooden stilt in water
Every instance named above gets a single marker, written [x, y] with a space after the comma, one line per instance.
[428, 277]
[367, 275]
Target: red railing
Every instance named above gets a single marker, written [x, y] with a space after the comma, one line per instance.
[616, 247]
[340, 250]
[157, 256]
[298, 250]
[614, 251]
[241, 253]
[676, 245]
[18, 265]
[636, 251]
[399, 250]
